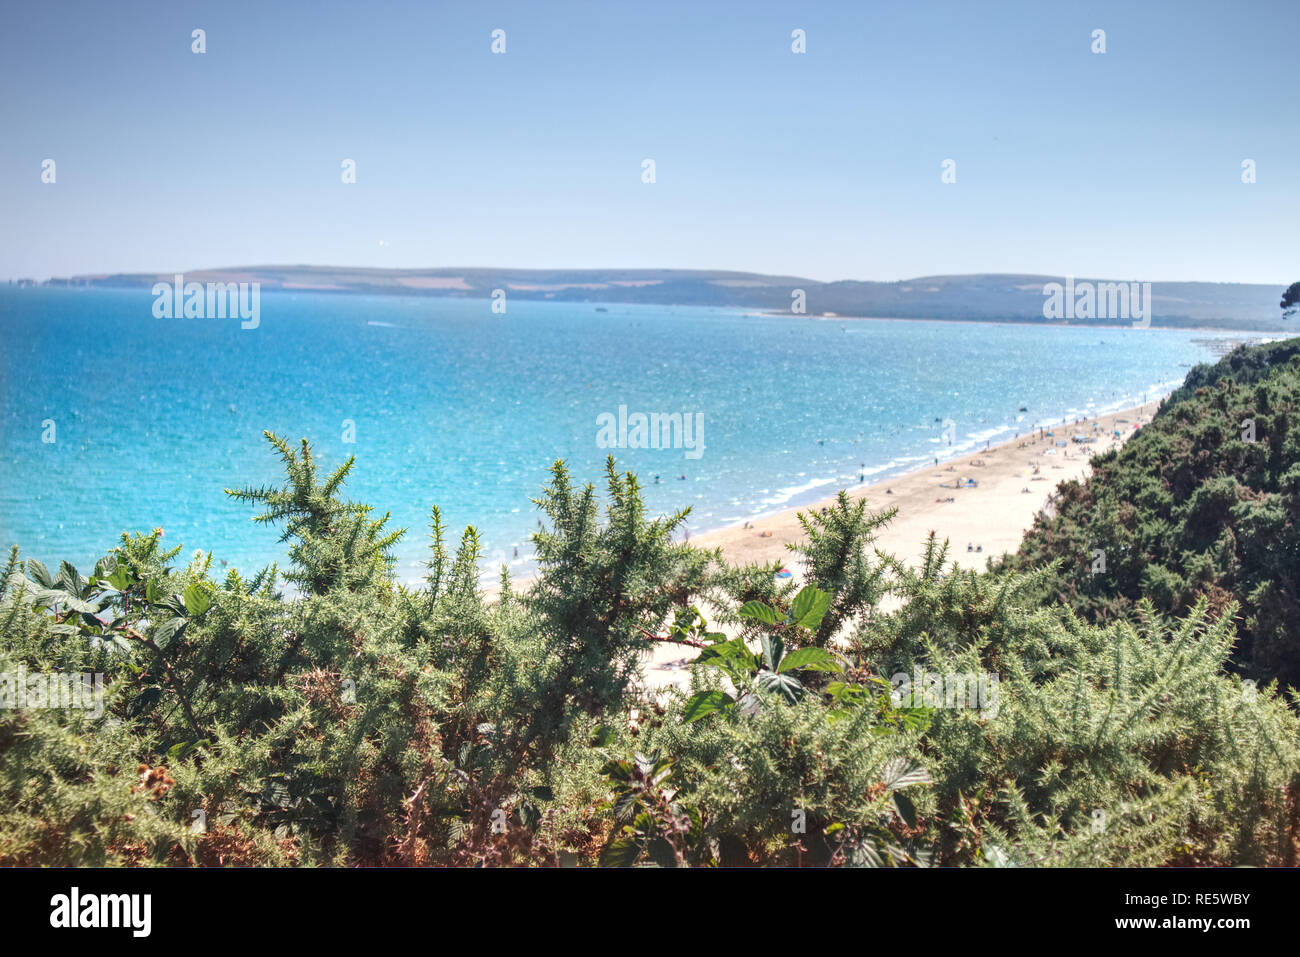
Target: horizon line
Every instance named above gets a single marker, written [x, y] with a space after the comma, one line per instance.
[614, 269]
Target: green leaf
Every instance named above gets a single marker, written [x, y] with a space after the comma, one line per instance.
[197, 600]
[620, 853]
[617, 770]
[758, 611]
[809, 607]
[844, 693]
[66, 601]
[171, 629]
[773, 651]
[898, 773]
[117, 643]
[38, 573]
[788, 686]
[906, 809]
[732, 658]
[733, 651]
[120, 579]
[809, 659]
[71, 578]
[704, 703]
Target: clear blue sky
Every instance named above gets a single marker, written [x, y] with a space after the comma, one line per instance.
[825, 165]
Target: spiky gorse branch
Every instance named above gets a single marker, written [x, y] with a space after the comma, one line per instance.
[332, 543]
[603, 585]
[838, 558]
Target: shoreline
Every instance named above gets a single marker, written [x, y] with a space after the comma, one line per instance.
[891, 485]
[883, 475]
[1014, 481]
[1034, 461]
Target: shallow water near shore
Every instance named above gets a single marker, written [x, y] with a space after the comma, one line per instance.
[447, 403]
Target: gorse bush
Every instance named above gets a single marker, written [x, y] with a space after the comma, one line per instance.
[332, 715]
[357, 721]
[1120, 744]
[1202, 504]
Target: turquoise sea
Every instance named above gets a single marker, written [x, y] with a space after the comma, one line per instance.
[454, 405]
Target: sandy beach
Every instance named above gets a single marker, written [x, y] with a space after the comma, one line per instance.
[1013, 482]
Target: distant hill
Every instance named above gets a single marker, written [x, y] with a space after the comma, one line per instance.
[986, 297]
